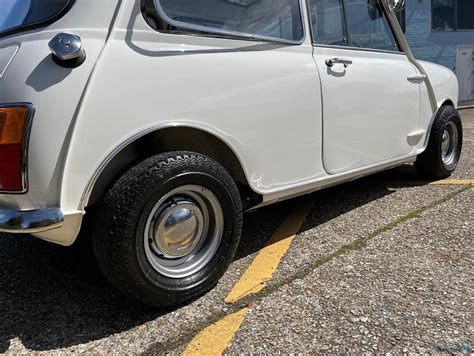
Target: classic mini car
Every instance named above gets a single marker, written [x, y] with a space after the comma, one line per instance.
[160, 122]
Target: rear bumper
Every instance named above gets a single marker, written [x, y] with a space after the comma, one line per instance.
[30, 221]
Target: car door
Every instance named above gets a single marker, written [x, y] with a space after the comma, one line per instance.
[370, 95]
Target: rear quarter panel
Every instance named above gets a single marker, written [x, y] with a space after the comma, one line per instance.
[56, 93]
[263, 100]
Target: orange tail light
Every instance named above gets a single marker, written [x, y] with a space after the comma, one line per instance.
[13, 137]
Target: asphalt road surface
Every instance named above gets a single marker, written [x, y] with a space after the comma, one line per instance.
[382, 264]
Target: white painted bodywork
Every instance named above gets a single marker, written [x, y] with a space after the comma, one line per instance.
[293, 127]
[364, 126]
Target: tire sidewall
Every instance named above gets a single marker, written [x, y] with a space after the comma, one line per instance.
[118, 232]
[457, 121]
[216, 267]
[450, 116]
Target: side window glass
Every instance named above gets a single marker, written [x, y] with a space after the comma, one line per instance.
[327, 17]
[281, 26]
[20, 14]
[367, 26]
[272, 19]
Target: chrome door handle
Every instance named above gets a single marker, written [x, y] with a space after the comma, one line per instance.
[337, 60]
[417, 77]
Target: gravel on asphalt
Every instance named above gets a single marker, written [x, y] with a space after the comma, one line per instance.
[395, 293]
[409, 289]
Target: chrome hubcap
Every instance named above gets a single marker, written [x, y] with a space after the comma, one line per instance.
[445, 142]
[183, 231]
[449, 144]
[179, 228]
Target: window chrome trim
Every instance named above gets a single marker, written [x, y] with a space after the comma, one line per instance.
[100, 168]
[400, 51]
[240, 35]
[25, 146]
[362, 49]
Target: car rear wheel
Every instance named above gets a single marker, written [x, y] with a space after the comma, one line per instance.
[168, 229]
[442, 155]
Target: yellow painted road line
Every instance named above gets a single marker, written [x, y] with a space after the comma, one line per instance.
[265, 264]
[453, 182]
[214, 339]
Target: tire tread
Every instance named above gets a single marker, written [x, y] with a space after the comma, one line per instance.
[429, 164]
[117, 216]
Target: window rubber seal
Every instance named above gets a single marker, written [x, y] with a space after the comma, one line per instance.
[231, 34]
[39, 24]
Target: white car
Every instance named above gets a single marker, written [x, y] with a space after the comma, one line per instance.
[163, 121]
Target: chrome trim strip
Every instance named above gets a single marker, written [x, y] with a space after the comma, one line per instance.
[402, 43]
[362, 49]
[30, 221]
[4, 47]
[330, 181]
[134, 137]
[242, 35]
[432, 120]
[428, 131]
[25, 146]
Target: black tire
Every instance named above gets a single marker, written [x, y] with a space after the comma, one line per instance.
[118, 234]
[430, 163]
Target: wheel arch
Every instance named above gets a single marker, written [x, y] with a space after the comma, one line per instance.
[447, 101]
[153, 141]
